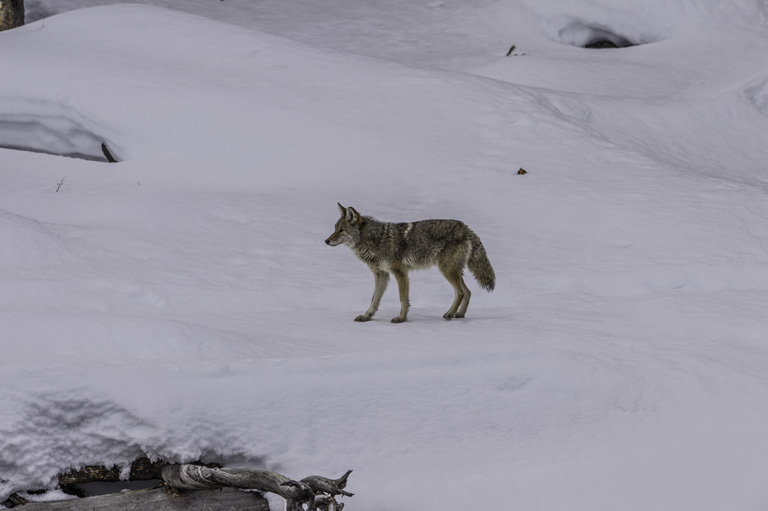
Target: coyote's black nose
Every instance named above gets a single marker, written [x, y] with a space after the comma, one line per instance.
[327, 242]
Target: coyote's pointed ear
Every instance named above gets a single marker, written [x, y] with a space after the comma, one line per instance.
[353, 216]
[342, 209]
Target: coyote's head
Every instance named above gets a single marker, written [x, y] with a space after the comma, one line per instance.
[347, 228]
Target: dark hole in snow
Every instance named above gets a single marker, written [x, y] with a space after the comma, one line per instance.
[51, 129]
[82, 156]
[588, 35]
[605, 39]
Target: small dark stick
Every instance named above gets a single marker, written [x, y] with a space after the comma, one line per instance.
[522, 171]
[511, 50]
[107, 153]
[61, 183]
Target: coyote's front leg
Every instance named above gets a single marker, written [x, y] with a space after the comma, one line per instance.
[402, 286]
[381, 279]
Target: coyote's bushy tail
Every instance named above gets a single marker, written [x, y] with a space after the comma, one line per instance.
[480, 266]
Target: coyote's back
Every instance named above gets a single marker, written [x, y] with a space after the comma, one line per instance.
[398, 248]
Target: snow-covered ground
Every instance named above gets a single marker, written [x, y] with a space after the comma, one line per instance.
[182, 304]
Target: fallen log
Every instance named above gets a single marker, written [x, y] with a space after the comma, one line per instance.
[189, 487]
[159, 499]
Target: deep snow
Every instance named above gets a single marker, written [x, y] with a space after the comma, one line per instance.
[182, 303]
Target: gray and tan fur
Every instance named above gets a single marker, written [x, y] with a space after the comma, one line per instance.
[398, 248]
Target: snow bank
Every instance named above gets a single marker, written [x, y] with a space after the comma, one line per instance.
[582, 23]
[182, 304]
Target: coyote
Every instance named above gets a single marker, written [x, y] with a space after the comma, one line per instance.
[399, 248]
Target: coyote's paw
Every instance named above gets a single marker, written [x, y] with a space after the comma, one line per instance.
[459, 315]
[398, 319]
[363, 317]
[449, 315]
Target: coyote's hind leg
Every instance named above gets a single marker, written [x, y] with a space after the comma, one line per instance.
[461, 301]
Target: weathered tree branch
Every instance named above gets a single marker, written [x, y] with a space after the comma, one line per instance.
[308, 491]
[332, 487]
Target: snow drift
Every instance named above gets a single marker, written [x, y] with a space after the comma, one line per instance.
[182, 304]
